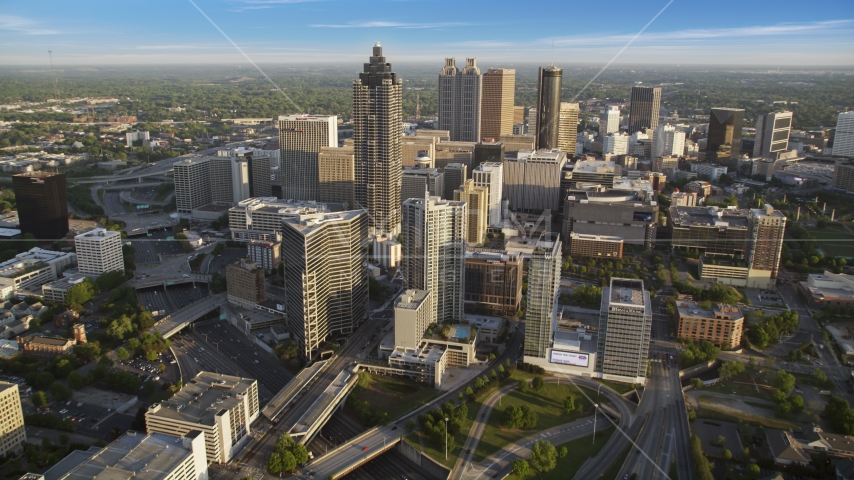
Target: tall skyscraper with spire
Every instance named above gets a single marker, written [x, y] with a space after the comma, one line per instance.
[459, 100]
[377, 139]
[548, 107]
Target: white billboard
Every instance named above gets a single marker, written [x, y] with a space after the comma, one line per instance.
[567, 358]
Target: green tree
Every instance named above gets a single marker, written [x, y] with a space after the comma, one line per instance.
[284, 443]
[523, 386]
[289, 462]
[133, 344]
[702, 468]
[783, 381]
[726, 454]
[469, 392]
[543, 456]
[60, 392]
[39, 399]
[731, 369]
[538, 383]
[520, 468]
[569, 404]
[696, 382]
[274, 463]
[122, 354]
[562, 452]
[151, 355]
[81, 293]
[839, 415]
[753, 469]
[300, 453]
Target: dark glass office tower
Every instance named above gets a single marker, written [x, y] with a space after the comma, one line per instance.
[377, 142]
[487, 152]
[548, 107]
[645, 104]
[42, 204]
[724, 142]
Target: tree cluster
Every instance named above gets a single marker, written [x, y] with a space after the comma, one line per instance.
[764, 331]
[523, 417]
[433, 424]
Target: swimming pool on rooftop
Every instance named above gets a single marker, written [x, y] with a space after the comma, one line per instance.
[460, 332]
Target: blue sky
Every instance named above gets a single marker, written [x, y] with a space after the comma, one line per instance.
[743, 32]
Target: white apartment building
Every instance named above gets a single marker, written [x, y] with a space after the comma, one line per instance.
[434, 246]
[221, 406]
[192, 184]
[12, 432]
[668, 141]
[843, 143]
[387, 251]
[412, 316]
[99, 251]
[609, 120]
[140, 456]
[710, 170]
[490, 175]
[615, 143]
[34, 268]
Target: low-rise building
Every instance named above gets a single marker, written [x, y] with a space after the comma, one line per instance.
[785, 449]
[488, 328]
[711, 170]
[222, 407]
[817, 440]
[722, 324]
[34, 268]
[266, 254]
[599, 246]
[45, 347]
[683, 199]
[245, 283]
[57, 290]
[828, 290]
[387, 251]
[427, 363]
[140, 456]
[700, 187]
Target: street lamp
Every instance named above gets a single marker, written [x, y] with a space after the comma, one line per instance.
[595, 411]
[446, 438]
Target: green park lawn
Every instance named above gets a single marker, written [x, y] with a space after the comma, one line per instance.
[396, 396]
[548, 405]
[725, 409]
[579, 449]
[742, 384]
[834, 240]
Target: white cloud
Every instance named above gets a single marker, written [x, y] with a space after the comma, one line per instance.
[385, 24]
[23, 25]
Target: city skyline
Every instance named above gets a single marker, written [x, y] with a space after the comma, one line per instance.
[331, 31]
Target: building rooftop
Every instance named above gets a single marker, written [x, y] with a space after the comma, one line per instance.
[709, 217]
[491, 255]
[626, 291]
[98, 233]
[67, 282]
[411, 299]
[594, 166]
[310, 222]
[484, 321]
[206, 395]
[45, 340]
[601, 238]
[718, 310]
[39, 174]
[543, 156]
[423, 355]
[578, 341]
[133, 455]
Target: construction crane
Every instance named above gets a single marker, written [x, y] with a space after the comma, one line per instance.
[53, 72]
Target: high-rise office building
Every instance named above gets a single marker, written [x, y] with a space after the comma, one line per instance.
[843, 176]
[455, 175]
[460, 100]
[487, 152]
[609, 120]
[625, 325]
[629, 215]
[326, 281]
[490, 176]
[434, 246]
[99, 251]
[238, 174]
[301, 137]
[335, 175]
[644, 108]
[724, 141]
[412, 316]
[377, 119]
[548, 107]
[192, 184]
[42, 204]
[772, 133]
[268, 255]
[615, 143]
[497, 104]
[477, 199]
[543, 290]
[518, 114]
[568, 127]
[668, 141]
[843, 141]
[245, 282]
[532, 122]
[12, 431]
[494, 280]
[532, 180]
[420, 182]
[765, 231]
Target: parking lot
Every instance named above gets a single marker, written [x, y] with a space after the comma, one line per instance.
[92, 420]
[218, 346]
[149, 247]
[228, 256]
[764, 298]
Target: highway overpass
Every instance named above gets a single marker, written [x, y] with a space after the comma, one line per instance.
[292, 390]
[172, 324]
[316, 416]
[169, 280]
